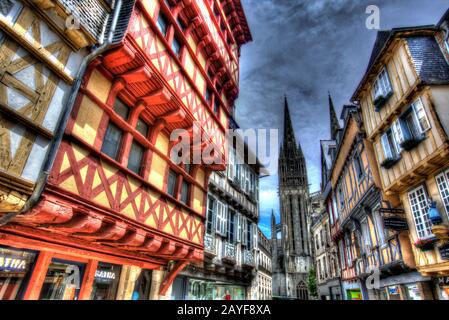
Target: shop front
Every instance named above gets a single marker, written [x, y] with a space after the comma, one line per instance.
[185, 288]
[27, 274]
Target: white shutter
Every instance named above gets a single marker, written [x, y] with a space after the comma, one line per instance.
[238, 227]
[386, 146]
[397, 134]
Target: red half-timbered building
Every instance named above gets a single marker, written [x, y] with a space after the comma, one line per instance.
[119, 218]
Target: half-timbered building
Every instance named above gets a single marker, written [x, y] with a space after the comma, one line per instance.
[120, 215]
[404, 98]
[230, 239]
[325, 250]
[375, 258]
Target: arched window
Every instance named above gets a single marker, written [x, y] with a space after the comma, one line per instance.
[301, 291]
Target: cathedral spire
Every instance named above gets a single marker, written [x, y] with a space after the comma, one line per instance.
[289, 134]
[334, 124]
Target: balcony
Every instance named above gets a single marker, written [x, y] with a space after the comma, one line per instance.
[387, 257]
[209, 245]
[248, 259]
[229, 253]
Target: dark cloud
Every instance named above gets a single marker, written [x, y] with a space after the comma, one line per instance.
[305, 49]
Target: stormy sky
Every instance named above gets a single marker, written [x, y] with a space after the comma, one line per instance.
[304, 49]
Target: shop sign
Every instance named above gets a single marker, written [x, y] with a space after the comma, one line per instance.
[105, 275]
[443, 281]
[12, 263]
[395, 223]
[355, 294]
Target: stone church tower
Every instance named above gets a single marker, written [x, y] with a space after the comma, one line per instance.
[291, 245]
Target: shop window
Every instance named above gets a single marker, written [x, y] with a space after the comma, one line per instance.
[142, 286]
[443, 186]
[106, 282]
[135, 157]
[15, 270]
[413, 292]
[111, 141]
[185, 192]
[419, 206]
[171, 183]
[162, 24]
[142, 128]
[63, 280]
[176, 46]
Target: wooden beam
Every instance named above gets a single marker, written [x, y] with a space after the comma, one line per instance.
[88, 280]
[170, 277]
[38, 276]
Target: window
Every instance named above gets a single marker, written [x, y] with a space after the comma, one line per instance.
[57, 284]
[348, 249]
[111, 141]
[249, 234]
[366, 235]
[231, 226]
[382, 86]
[121, 109]
[142, 128]
[15, 269]
[358, 165]
[380, 227]
[185, 192]
[210, 214]
[176, 46]
[171, 184]
[244, 230]
[419, 206]
[443, 186]
[389, 145]
[208, 95]
[239, 227]
[341, 249]
[162, 24]
[421, 116]
[221, 218]
[106, 282]
[135, 157]
[181, 23]
[341, 196]
[216, 106]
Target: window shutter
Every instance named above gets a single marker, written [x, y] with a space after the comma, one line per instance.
[386, 146]
[238, 231]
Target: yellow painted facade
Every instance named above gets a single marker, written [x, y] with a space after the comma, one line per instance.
[412, 177]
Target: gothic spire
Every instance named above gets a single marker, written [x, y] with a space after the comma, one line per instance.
[289, 134]
[273, 225]
[334, 124]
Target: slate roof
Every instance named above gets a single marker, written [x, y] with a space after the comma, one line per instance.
[428, 59]
[385, 37]
[444, 18]
[91, 14]
[123, 21]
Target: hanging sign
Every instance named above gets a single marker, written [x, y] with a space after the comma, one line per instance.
[105, 275]
[395, 223]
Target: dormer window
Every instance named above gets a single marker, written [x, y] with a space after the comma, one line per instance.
[382, 90]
